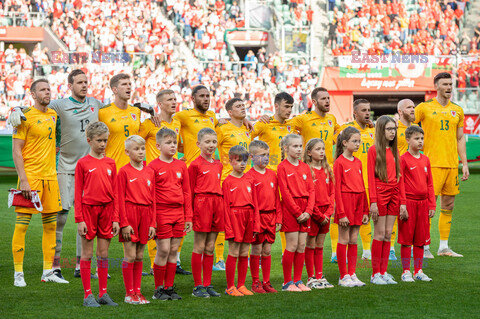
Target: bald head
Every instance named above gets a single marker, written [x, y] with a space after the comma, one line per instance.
[403, 103]
[406, 110]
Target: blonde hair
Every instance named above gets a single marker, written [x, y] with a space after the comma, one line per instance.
[95, 129]
[286, 141]
[134, 139]
[323, 162]
[381, 148]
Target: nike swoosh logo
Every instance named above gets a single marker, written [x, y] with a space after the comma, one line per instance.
[258, 184]
[290, 174]
[232, 189]
[347, 170]
[412, 167]
[91, 170]
[161, 173]
[132, 180]
[205, 172]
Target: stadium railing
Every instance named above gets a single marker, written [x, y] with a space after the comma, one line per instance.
[20, 19]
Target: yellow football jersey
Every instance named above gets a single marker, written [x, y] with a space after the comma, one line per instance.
[230, 135]
[311, 125]
[401, 140]
[440, 124]
[368, 139]
[192, 122]
[148, 131]
[272, 134]
[38, 152]
[121, 124]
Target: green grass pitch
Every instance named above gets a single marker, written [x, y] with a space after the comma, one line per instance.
[455, 290]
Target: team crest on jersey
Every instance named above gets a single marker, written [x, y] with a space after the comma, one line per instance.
[304, 177]
[330, 123]
[92, 109]
[289, 128]
[211, 120]
[53, 119]
[371, 135]
[327, 180]
[177, 130]
[453, 113]
[249, 189]
[247, 134]
[109, 172]
[134, 116]
[271, 184]
[149, 183]
[179, 175]
[425, 169]
[360, 171]
[218, 175]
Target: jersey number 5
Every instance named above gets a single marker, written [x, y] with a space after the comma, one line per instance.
[127, 132]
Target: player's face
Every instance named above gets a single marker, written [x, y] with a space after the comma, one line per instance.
[42, 93]
[80, 86]
[362, 113]
[238, 110]
[284, 110]
[201, 100]
[239, 164]
[98, 143]
[318, 152]
[124, 89]
[168, 103]
[136, 152]
[444, 88]
[353, 143]
[294, 150]
[168, 146]
[260, 157]
[408, 112]
[390, 131]
[415, 142]
[322, 102]
[208, 144]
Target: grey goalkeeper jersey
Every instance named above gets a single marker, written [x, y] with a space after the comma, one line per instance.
[73, 118]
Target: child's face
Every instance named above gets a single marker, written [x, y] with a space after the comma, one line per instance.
[136, 152]
[353, 143]
[208, 144]
[415, 142]
[98, 143]
[317, 152]
[239, 164]
[260, 157]
[295, 148]
[168, 146]
[390, 131]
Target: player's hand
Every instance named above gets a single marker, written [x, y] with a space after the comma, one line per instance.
[183, 159]
[431, 213]
[248, 124]
[344, 222]
[26, 190]
[151, 233]
[156, 120]
[374, 211]
[325, 221]
[466, 173]
[127, 233]
[222, 121]
[115, 229]
[57, 149]
[365, 219]
[15, 117]
[403, 212]
[370, 123]
[278, 227]
[188, 227]
[264, 119]
[82, 229]
[303, 218]
[255, 234]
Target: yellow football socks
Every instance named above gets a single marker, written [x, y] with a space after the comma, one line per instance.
[445, 223]
[219, 246]
[366, 235]
[49, 223]
[394, 234]
[283, 241]
[18, 241]
[152, 251]
[334, 237]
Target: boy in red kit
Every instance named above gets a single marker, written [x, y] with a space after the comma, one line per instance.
[208, 215]
[136, 205]
[242, 220]
[95, 211]
[314, 156]
[266, 187]
[413, 224]
[351, 210]
[173, 205]
[298, 200]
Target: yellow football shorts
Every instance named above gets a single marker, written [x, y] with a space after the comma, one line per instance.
[445, 181]
[49, 196]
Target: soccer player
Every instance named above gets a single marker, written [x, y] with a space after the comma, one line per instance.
[266, 188]
[384, 179]
[173, 212]
[95, 211]
[136, 206]
[33, 151]
[208, 214]
[362, 122]
[298, 199]
[413, 225]
[242, 220]
[442, 121]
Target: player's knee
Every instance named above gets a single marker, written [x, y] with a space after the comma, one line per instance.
[267, 251]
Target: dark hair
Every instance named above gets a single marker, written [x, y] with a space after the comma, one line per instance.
[283, 96]
[258, 144]
[33, 87]
[164, 133]
[198, 88]
[116, 78]
[73, 74]
[381, 149]
[238, 152]
[357, 102]
[229, 104]
[344, 135]
[412, 130]
[205, 131]
[442, 75]
[315, 92]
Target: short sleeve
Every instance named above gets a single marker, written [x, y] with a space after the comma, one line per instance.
[419, 114]
[461, 118]
[20, 132]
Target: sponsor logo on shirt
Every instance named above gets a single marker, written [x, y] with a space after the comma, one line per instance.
[75, 111]
[132, 180]
[256, 184]
[412, 167]
[91, 170]
[232, 189]
[205, 172]
[346, 171]
[161, 173]
[288, 175]
[112, 120]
